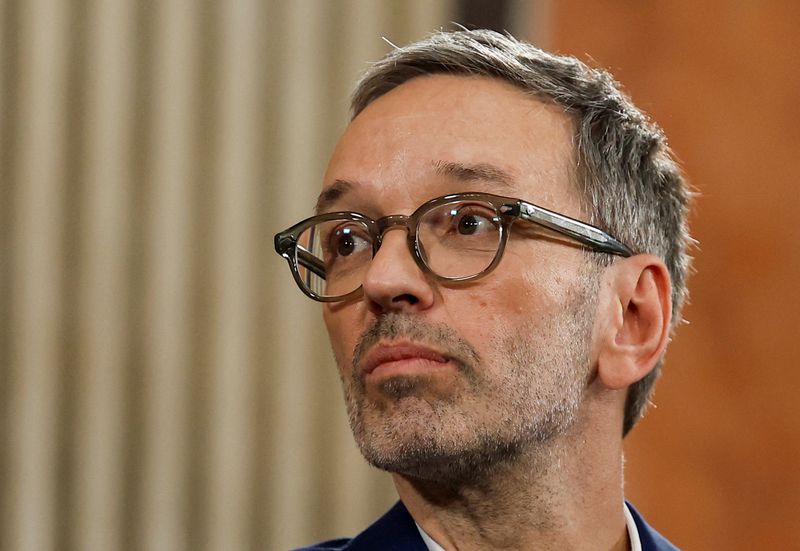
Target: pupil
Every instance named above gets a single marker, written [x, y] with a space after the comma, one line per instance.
[346, 245]
[468, 224]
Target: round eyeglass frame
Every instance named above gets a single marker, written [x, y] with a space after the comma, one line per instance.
[508, 210]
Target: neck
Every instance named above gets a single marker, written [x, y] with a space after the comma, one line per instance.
[562, 495]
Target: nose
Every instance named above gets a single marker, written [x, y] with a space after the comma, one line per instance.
[393, 281]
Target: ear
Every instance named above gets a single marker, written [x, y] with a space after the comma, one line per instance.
[636, 311]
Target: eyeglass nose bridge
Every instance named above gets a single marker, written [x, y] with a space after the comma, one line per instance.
[402, 221]
[388, 223]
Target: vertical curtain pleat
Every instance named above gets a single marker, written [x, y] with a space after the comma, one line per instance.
[6, 253]
[35, 316]
[103, 276]
[234, 290]
[163, 384]
[169, 150]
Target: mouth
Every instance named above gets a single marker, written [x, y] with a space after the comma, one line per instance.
[387, 360]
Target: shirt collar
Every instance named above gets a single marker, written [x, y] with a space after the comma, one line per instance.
[633, 534]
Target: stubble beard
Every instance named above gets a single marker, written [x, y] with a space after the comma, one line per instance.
[493, 418]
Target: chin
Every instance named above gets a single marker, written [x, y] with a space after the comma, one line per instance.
[428, 444]
[429, 459]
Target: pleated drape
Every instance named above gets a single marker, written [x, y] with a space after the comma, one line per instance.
[163, 385]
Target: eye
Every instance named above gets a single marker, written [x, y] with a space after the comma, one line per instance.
[348, 239]
[472, 220]
[469, 224]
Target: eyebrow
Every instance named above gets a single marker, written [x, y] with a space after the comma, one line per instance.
[479, 172]
[332, 194]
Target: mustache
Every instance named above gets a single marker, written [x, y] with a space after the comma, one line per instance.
[394, 326]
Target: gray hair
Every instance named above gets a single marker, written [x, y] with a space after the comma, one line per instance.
[630, 185]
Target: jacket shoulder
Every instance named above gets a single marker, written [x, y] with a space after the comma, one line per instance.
[394, 531]
[330, 545]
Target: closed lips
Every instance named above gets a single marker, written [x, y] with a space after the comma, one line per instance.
[385, 354]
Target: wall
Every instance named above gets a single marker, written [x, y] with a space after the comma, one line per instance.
[714, 464]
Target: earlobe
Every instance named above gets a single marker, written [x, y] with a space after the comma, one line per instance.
[638, 320]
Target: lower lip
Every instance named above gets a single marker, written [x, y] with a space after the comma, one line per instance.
[408, 367]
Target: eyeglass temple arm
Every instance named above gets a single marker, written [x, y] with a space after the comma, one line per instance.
[584, 233]
[310, 261]
[285, 244]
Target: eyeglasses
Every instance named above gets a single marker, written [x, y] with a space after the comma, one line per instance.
[455, 238]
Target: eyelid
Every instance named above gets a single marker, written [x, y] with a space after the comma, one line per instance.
[487, 211]
[357, 229]
[477, 207]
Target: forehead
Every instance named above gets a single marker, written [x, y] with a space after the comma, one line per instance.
[394, 149]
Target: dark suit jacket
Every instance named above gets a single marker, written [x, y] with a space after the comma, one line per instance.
[396, 531]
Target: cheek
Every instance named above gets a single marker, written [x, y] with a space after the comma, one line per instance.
[491, 311]
[548, 284]
[511, 293]
[509, 298]
[342, 334]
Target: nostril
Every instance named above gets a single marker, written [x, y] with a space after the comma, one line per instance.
[407, 297]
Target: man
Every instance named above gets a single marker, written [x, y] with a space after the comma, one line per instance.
[500, 250]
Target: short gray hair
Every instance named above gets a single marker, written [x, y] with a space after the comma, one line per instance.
[630, 185]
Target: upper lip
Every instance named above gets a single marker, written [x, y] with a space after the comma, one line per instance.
[383, 353]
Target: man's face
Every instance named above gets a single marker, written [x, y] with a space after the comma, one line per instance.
[447, 380]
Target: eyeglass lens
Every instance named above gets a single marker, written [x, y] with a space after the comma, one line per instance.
[457, 240]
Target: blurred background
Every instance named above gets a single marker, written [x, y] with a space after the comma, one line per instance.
[164, 386]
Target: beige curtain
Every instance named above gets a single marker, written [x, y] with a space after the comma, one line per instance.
[163, 385]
